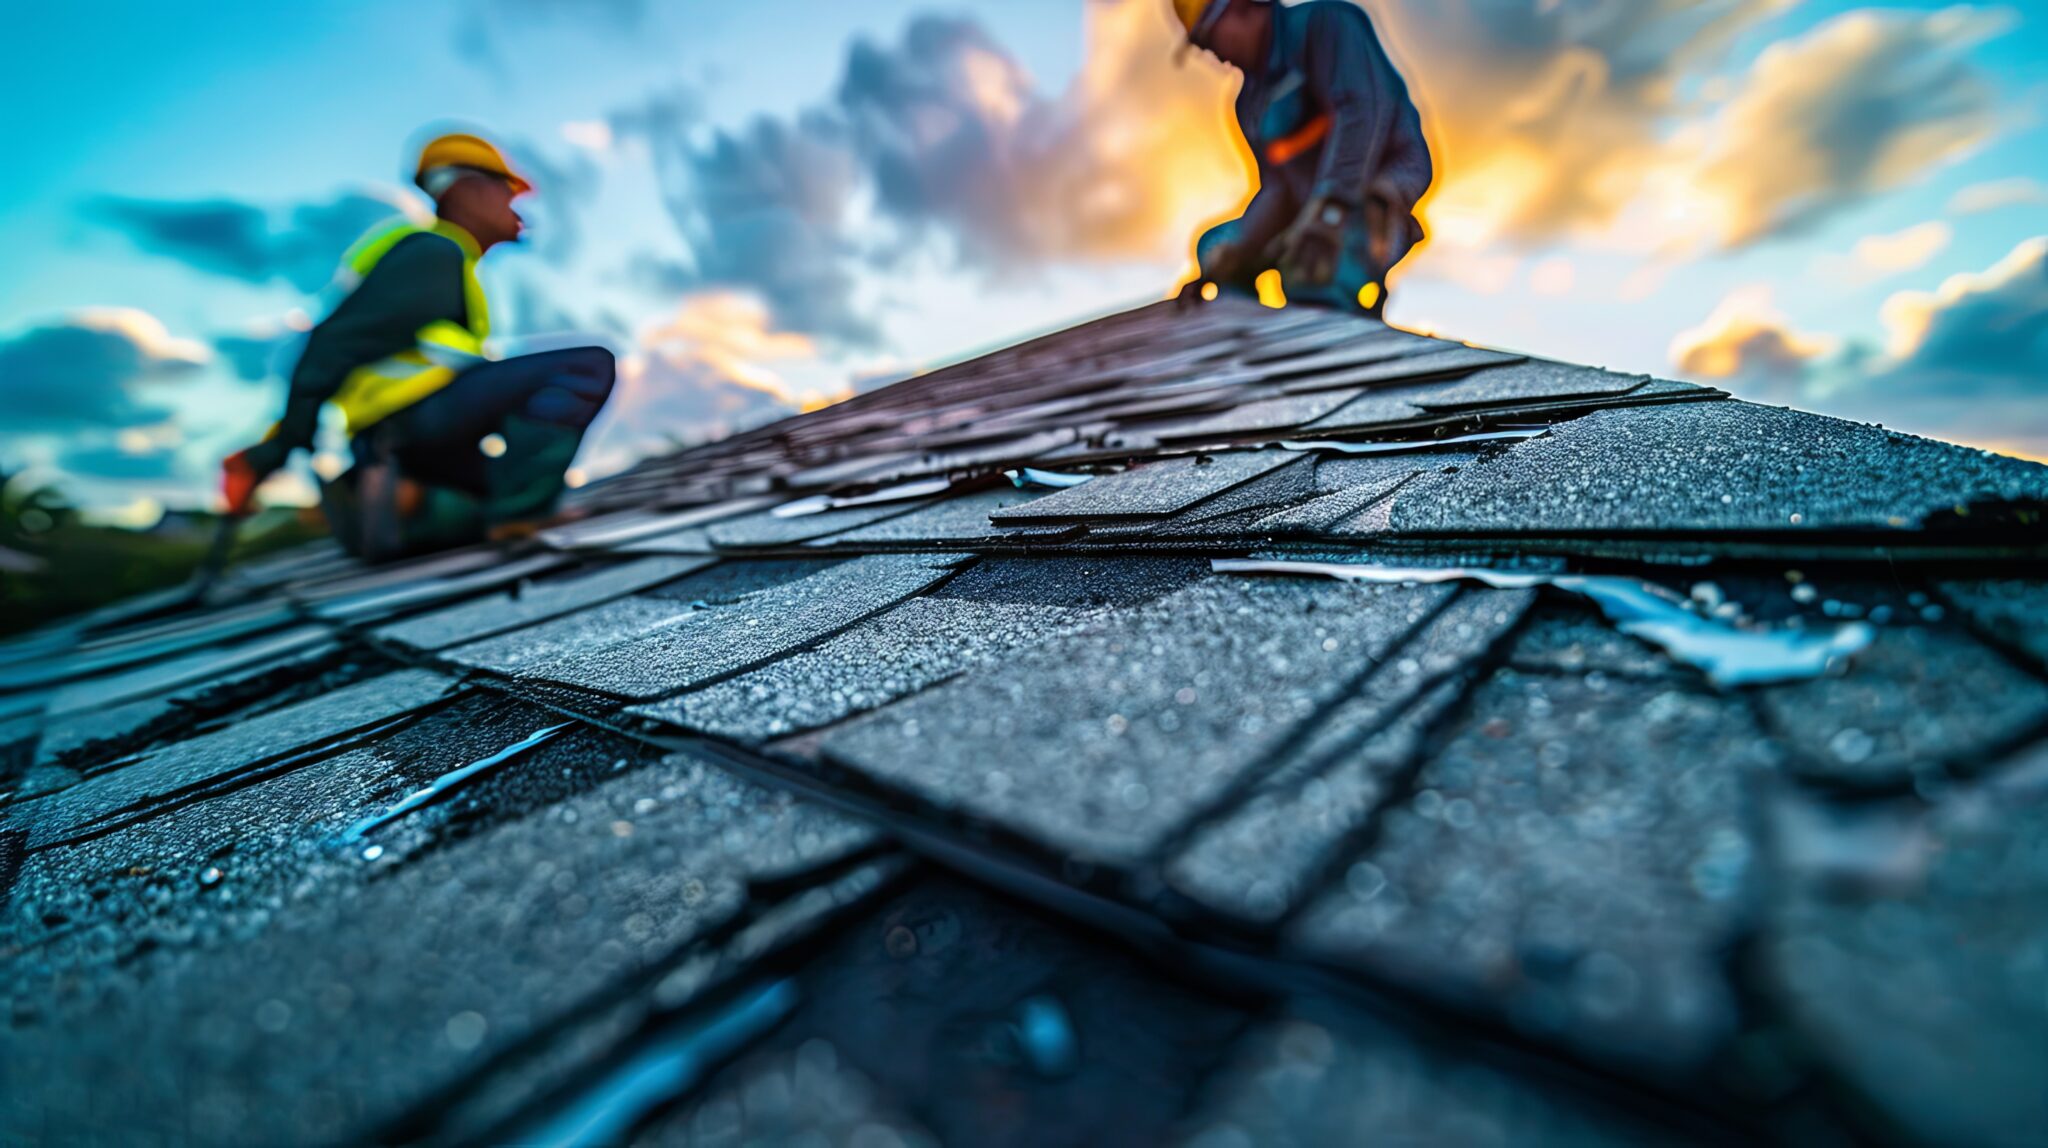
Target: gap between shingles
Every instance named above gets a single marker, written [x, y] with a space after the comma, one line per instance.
[1400, 784]
[1285, 755]
[424, 1119]
[148, 809]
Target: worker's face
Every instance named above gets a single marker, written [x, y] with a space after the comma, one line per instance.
[482, 205]
[1239, 37]
[495, 210]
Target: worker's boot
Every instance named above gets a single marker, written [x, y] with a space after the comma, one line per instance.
[527, 480]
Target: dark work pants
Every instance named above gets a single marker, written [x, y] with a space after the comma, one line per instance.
[539, 405]
[556, 393]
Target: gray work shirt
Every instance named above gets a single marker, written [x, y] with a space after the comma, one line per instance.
[1325, 60]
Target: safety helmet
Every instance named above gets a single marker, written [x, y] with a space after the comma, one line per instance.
[1197, 17]
[462, 150]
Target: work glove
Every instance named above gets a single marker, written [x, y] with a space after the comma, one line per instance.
[243, 471]
[1306, 253]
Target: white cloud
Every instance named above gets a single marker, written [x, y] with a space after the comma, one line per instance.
[1903, 251]
[1997, 195]
[941, 142]
[1546, 118]
[1867, 102]
[1748, 343]
[1978, 328]
[590, 135]
[1967, 361]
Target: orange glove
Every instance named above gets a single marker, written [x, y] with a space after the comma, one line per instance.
[243, 471]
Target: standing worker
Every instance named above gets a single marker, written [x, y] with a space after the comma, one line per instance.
[450, 447]
[1341, 157]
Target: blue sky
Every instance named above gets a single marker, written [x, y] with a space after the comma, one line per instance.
[1783, 229]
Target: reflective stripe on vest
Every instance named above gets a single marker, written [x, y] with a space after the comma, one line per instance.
[374, 392]
[1287, 147]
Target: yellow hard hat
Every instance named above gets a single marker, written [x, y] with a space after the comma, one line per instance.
[460, 149]
[1191, 12]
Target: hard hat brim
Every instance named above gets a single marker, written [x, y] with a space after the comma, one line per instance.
[512, 179]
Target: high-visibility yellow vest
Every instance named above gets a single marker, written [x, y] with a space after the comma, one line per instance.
[373, 392]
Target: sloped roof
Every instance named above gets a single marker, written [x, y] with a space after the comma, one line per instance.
[1236, 726]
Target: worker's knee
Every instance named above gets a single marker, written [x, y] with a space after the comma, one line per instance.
[587, 372]
[1214, 240]
[596, 363]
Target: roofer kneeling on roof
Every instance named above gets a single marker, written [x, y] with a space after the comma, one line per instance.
[402, 356]
[1342, 160]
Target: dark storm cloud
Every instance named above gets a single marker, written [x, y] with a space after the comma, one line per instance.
[1968, 360]
[768, 207]
[89, 371]
[1978, 336]
[301, 245]
[937, 143]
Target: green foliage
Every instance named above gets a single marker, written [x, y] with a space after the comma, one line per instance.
[53, 563]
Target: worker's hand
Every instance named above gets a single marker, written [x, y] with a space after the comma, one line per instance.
[1306, 253]
[243, 471]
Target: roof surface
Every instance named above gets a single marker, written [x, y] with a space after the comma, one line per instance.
[1234, 727]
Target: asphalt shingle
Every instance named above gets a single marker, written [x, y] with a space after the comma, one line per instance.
[305, 887]
[1712, 467]
[483, 617]
[1574, 861]
[1101, 745]
[701, 646]
[1154, 490]
[1257, 861]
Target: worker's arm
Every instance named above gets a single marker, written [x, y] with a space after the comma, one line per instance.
[1349, 73]
[416, 283]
